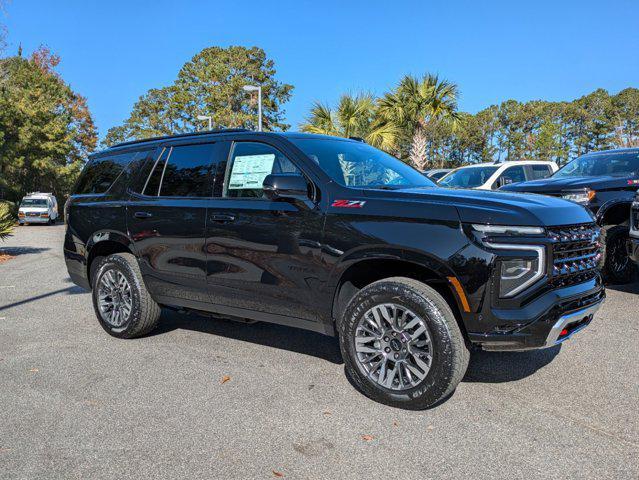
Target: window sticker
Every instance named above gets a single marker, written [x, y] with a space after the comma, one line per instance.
[249, 171]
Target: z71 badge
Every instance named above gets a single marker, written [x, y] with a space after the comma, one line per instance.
[348, 203]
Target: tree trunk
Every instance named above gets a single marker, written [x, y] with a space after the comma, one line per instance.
[417, 153]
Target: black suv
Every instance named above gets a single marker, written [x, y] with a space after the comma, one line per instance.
[334, 236]
[604, 182]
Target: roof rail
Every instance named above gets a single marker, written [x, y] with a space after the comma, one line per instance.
[180, 135]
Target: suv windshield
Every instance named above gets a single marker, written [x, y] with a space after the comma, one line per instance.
[618, 164]
[468, 177]
[356, 164]
[33, 202]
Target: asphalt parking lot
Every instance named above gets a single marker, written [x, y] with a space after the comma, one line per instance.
[204, 398]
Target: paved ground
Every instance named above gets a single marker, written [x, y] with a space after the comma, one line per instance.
[76, 403]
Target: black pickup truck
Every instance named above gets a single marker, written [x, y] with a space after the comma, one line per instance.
[337, 237]
[604, 182]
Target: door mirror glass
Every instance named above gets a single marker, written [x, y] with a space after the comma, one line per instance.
[289, 186]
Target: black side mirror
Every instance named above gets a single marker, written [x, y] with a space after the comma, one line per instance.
[290, 186]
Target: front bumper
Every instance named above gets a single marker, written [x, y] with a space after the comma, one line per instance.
[33, 219]
[546, 321]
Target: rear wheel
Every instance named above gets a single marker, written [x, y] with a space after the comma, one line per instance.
[122, 303]
[401, 344]
[618, 268]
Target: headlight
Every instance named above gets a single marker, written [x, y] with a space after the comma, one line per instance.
[517, 274]
[580, 197]
[506, 229]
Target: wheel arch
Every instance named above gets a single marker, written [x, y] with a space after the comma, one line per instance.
[102, 244]
[614, 212]
[357, 273]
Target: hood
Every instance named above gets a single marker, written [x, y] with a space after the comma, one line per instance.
[498, 208]
[559, 184]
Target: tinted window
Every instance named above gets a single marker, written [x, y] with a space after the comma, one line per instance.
[187, 171]
[468, 177]
[356, 164]
[100, 173]
[513, 175]
[250, 163]
[618, 164]
[152, 186]
[540, 171]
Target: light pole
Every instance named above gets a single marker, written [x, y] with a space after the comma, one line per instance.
[258, 89]
[206, 117]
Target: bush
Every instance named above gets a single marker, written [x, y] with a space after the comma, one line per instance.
[7, 219]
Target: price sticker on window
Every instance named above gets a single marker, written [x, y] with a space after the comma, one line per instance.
[249, 171]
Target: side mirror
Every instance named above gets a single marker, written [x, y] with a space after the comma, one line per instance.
[291, 186]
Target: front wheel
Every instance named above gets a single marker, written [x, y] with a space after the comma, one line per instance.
[401, 344]
[618, 268]
[122, 303]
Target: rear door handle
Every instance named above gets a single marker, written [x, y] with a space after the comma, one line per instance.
[222, 217]
[142, 215]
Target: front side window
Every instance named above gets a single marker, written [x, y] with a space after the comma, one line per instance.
[468, 177]
[512, 175]
[540, 171]
[356, 164]
[616, 164]
[249, 165]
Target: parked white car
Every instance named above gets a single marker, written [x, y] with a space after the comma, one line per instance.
[491, 176]
[38, 207]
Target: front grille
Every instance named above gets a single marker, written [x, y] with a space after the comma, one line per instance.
[576, 253]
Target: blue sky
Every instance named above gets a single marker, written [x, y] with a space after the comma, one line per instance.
[114, 51]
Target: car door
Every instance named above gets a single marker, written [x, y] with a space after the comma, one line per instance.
[263, 255]
[166, 220]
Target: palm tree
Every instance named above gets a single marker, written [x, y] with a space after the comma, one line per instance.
[414, 104]
[355, 116]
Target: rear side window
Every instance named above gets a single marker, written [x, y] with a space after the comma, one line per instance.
[540, 171]
[182, 171]
[101, 172]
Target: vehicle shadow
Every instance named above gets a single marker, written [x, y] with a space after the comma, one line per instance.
[261, 333]
[627, 288]
[15, 251]
[500, 367]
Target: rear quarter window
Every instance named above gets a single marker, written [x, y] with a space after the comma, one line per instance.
[101, 172]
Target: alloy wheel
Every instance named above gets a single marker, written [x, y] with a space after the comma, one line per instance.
[114, 298]
[393, 346]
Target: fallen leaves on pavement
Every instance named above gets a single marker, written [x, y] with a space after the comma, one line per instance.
[225, 379]
[34, 370]
[367, 438]
[4, 257]
[278, 474]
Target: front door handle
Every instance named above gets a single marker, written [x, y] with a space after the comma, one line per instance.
[142, 215]
[222, 217]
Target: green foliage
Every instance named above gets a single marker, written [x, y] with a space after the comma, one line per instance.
[429, 132]
[46, 131]
[7, 220]
[209, 84]
[355, 116]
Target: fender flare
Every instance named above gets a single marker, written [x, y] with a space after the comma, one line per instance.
[601, 213]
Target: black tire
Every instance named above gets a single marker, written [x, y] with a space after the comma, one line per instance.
[450, 354]
[145, 313]
[618, 268]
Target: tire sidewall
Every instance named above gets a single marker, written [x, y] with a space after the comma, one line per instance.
[615, 234]
[116, 262]
[431, 310]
